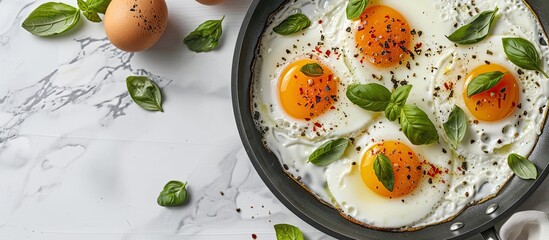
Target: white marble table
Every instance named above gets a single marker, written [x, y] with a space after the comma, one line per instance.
[80, 160]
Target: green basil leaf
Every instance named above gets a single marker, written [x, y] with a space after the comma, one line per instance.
[456, 126]
[205, 37]
[355, 8]
[329, 152]
[292, 24]
[392, 112]
[476, 30]
[417, 126]
[398, 99]
[99, 6]
[92, 16]
[173, 194]
[51, 18]
[522, 53]
[522, 167]
[287, 232]
[312, 70]
[145, 93]
[372, 96]
[87, 12]
[483, 82]
[383, 169]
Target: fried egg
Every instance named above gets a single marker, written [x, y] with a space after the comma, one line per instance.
[421, 173]
[287, 100]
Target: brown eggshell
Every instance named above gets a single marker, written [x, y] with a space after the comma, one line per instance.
[135, 25]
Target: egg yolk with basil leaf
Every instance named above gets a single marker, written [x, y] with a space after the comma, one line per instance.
[406, 164]
[306, 97]
[496, 103]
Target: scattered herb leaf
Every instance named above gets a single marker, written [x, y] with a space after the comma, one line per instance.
[372, 96]
[522, 53]
[417, 126]
[287, 232]
[355, 8]
[51, 18]
[173, 194]
[99, 6]
[312, 70]
[145, 93]
[522, 167]
[476, 30]
[383, 169]
[398, 99]
[205, 37]
[483, 82]
[292, 24]
[456, 126]
[88, 12]
[329, 152]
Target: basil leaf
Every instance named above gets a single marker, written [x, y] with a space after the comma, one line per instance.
[87, 12]
[292, 24]
[312, 70]
[355, 8]
[372, 96]
[456, 126]
[383, 169]
[417, 126]
[392, 112]
[51, 18]
[522, 167]
[205, 37]
[523, 54]
[329, 152]
[483, 82]
[173, 194]
[476, 30]
[99, 6]
[398, 99]
[145, 93]
[287, 232]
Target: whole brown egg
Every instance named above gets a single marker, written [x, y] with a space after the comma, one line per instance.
[135, 25]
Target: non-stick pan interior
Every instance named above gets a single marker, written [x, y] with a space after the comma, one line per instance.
[326, 219]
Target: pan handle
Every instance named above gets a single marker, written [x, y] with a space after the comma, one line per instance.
[490, 234]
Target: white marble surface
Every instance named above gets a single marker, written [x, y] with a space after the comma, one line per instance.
[80, 160]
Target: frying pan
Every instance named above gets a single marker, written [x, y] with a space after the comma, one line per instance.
[474, 219]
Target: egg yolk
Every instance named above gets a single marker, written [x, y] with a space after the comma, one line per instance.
[406, 168]
[305, 97]
[383, 36]
[497, 102]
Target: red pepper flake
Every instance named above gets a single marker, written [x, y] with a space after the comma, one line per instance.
[328, 52]
[418, 45]
[360, 28]
[448, 86]
[317, 48]
[317, 124]
[320, 21]
[254, 236]
[332, 107]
